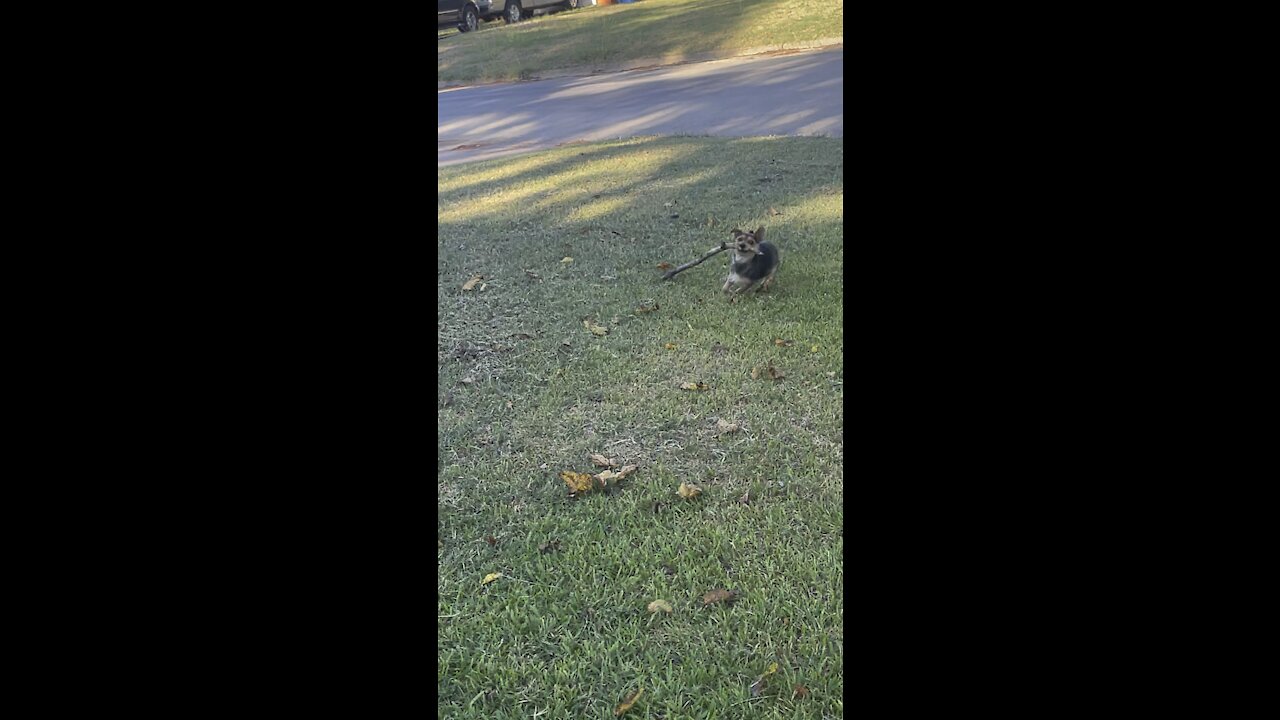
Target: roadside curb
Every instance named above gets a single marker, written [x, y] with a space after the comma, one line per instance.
[653, 63]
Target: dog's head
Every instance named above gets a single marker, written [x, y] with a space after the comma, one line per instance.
[747, 243]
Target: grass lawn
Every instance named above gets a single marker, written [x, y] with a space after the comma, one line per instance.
[659, 31]
[525, 391]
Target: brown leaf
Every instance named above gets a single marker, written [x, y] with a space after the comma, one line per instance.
[647, 308]
[724, 426]
[532, 275]
[799, 691]
[549, 546]
[773, 212]
[716, 596]
[595, 329]
[775, 373]
[468, 285]
[577, 482]
[665, 266]
[746, 497]
[783, 343]
[631, 700]
[689, 491]
[660, 605]
[608, 475]
[755, 373]
[602, 461]
[491, 540]
[670, 346]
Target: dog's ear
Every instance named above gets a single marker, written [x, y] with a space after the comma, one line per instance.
[760, 234]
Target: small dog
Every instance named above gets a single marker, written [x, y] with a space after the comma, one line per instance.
[754, 262]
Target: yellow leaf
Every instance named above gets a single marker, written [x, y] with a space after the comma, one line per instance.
[567, 260]
[577, 482]
[689, 490]
[813, 349]
[595, 329]
[755, 373]
[490, 578]
[472, 282]
[659, 605]
[773, 668]
[670, 346]
[693, 386]
[631, 700]
[602, 461]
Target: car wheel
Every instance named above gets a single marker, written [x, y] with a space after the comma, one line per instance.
[470, 19]
[512, 12]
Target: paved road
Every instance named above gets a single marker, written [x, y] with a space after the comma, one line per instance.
[799, 94]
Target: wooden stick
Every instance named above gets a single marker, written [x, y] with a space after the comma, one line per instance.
[713, 251]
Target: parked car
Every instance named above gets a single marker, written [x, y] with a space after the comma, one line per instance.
[464, 14]
[516, 10]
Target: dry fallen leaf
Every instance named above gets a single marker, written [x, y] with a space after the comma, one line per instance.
[608, 475]
[595, 329]
[755, 373]
[746, 497]
[783, 343]
[577, 482]
[549, 546]
[647, 308]
[602, 461]
[670, 346]
[490, 578]
[665, 266]
[659, 605]
[532, 275]
[800, 691]
[566, 260]
[472, 282]
[631, 700]
[716, 596]
[724, 426]
[813, 349]
[491, 540]
[689, 490]
[694, 386]
[775, 373]
[773, 212]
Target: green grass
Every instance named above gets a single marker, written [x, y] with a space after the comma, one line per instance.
[654, 31]
[525, 392]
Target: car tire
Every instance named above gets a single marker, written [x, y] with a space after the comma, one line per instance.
[470, 19]
[512, 12]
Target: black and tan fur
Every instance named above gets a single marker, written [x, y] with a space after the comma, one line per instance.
[753, 264]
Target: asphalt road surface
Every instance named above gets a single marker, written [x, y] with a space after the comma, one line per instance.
[797, 94]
